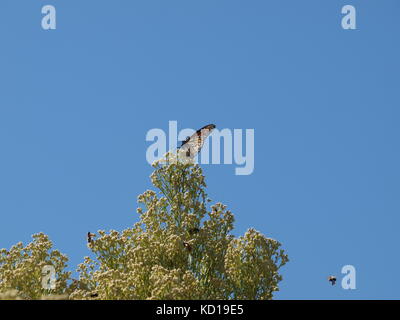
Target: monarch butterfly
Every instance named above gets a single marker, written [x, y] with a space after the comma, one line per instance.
[192, 145]
[90, 237]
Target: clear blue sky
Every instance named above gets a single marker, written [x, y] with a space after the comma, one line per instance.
[77, 102]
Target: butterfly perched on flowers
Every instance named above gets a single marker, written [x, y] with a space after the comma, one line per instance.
[90, 237]
[192, 145]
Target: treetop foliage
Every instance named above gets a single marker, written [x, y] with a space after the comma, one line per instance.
[181, 248]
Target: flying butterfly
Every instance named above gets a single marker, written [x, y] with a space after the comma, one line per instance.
[332, 280]
[192, 145]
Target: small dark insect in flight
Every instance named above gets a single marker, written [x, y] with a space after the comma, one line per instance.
[187, 246]
[193, 231]
[94, 295]
[192, 145]
[90, 237]
[332, 279]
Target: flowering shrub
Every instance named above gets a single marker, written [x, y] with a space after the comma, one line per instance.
[21, 270]
[181, 248]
